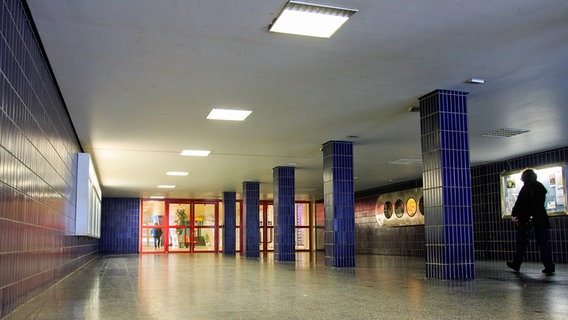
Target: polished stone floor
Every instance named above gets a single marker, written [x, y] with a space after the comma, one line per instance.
[214, 286]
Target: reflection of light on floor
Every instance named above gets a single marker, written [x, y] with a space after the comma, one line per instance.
[415, 297]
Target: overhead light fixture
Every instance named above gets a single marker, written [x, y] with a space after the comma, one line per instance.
[157, 197]
[228, 114]
[475, 81]
[177, 173]
[309, 19]
[195, 153]
[167, 186]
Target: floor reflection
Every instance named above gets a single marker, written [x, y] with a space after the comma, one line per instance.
[215, 286]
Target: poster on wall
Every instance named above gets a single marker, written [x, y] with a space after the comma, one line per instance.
[553, 177]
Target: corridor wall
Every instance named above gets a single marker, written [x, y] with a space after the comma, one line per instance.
[494, 237]
[37, 169]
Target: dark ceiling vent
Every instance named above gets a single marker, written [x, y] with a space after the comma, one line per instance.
[505, 133]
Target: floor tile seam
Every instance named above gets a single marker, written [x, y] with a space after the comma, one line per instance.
[133, 289]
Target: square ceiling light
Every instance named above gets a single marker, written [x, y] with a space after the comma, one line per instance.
[228, 114]
[195, 153]
[178, 173]
[308, 19]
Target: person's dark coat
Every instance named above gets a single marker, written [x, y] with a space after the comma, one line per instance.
[530, 203]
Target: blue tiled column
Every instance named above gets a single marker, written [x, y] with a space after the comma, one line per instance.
[448, 215]
[250, 224]
[230, 228]
[285, 241]
[120, 225]
[339, 202]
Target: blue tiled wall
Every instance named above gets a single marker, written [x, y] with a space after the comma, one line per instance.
[37, 169]
[447, 185]
[339, 203]
[495, 237]
[230, 228]
[284, 209]
[251, 223]
[120, 225]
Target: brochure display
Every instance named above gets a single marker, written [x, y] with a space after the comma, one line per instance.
[553, 177]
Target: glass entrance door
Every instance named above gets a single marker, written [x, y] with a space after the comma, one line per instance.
[180, 227]
[153, 226]
[205, 236]
[266, 212]
[192, 226]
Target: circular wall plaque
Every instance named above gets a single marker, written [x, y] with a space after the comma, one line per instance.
[399, 208]
[411, 206]
[388, 209]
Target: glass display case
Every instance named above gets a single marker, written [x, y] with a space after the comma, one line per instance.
[552, 176]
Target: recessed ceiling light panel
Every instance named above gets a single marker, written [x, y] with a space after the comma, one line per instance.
[228, 114]
[309, 19]
[177, 173]
[195, 153]
[167, 186]
[475, 81]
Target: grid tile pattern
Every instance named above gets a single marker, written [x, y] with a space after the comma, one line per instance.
[251, 222]
[120, 225]
[447, 185]
[494, 236]
[284, 230]
[230, 228]
[339, 203]
[371, 238]
[37, 169]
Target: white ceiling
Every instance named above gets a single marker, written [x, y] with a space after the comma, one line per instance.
[140, 76]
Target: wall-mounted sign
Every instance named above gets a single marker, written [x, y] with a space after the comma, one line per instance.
[402, 208]
[553, 177]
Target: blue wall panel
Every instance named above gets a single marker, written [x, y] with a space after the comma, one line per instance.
[37, 169]
[120, 225]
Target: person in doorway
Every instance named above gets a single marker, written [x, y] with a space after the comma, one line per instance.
[157, 234]
[531, 219]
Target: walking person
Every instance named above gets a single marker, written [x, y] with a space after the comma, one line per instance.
[532, 220]
[157, 234]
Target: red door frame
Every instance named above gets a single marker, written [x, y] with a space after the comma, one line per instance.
[192, 227]
[266, 229]
[217, 228]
